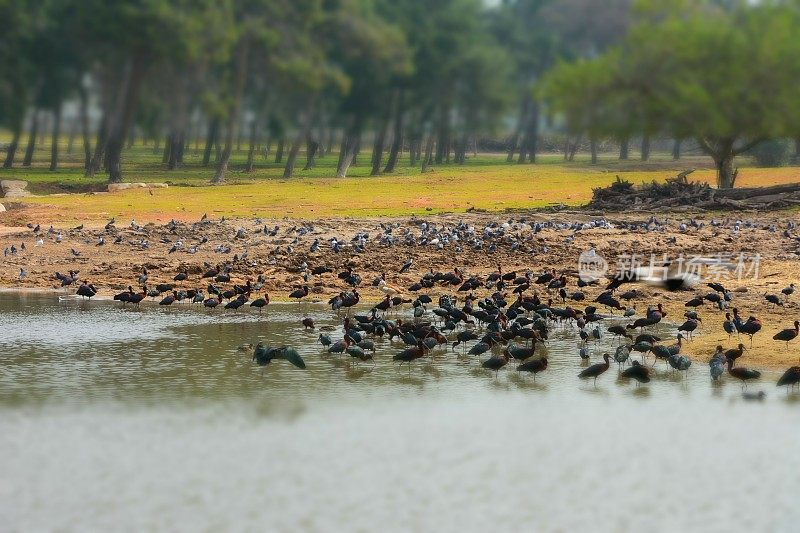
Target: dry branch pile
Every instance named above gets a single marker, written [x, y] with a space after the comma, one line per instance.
[678, 193]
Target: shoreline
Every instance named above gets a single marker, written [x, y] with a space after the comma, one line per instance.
[556, 244]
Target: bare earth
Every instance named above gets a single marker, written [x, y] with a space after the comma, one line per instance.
[112, 267]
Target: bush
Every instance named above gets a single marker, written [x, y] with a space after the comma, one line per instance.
[772, 153]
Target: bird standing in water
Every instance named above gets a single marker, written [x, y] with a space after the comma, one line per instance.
[596, 369]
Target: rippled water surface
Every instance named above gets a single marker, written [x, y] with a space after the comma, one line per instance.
[150, 419]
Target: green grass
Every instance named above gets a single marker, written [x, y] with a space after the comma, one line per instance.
[486, 182]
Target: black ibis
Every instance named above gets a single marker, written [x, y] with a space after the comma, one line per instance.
[689, 326]
[728, 325]
[743, 374]
[86, 290]
[308, 323]
[495, 363]
[264, 355]
[637, 371]
[788, 291]
[300, 293]
[773, 299]
[717, 364]
[750, 328]
[789, 334]
[791, 377]
[734, 353]
[534, 366]
[596, 369]
[618, 331]
[169, 299]
[260, 303]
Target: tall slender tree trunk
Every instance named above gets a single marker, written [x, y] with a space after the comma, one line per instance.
[521, 121]
[624, 149]
[122, 118]
[26, 162]
[646, 147]
[73, 132]
[56, 134]
[312, 149]
[12, 147]
[593, 149]
[350, 146]
[211, 136]
[250, 166]
[279, 150]
[397, 136]
[443, 142]
[99, 146]
[302, 134]
[168, 148]
[380, 138]
[234, 113]
[676, 150]
[177, 146]
[529, 142]
[797, 150]
[427, 159]
[83, 113]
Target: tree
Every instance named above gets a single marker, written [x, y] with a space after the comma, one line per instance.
[727, 76]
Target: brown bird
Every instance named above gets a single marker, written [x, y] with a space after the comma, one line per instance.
[734, 353]
[534, 366]
[788, 334]
[596, 369]
[308, 323]
[791, 377]
[743, 374]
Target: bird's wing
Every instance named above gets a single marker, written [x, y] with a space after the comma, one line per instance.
[290, 354]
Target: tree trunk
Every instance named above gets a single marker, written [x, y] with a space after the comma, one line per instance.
[676, 150]
[120, 124]
[234, 112]
[165, 156]
[26, 162]
[73, 131]
[56, 134]
[249, 167]
[797, 150]
[527, 150]
[428, 157]
[523, 117]
[593, 149]
[211, 136]
[380, 139]
[443, 143]
[83, 111]
[397, 137]
[12, 148]
[279, 151]
[350, 144]
[624, 149]
[646, 147]
[312, 148]
[177, 146]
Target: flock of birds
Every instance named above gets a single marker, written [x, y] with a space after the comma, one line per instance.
[503, 328]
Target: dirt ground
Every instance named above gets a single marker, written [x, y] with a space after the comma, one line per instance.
[111, 267]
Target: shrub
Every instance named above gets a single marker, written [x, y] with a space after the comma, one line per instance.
[772, 153]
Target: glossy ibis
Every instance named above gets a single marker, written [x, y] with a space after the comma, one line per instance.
[717, 364]
[743, 374]
[260, 303]
[728, 325]
[325, 340]
[788, 291]
[264, 355]
[495, 363]
[789, 334]
[300, 293]
[534, 366]
[773, 299]
[308, 323]
[86, 290]
[689, 326]
[619, 332]
[169, 299]
[734, 353]
[596, 369]
[637, 371]
[750, 328]
[791, 377]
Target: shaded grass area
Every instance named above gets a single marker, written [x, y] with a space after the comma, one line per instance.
[486, 182]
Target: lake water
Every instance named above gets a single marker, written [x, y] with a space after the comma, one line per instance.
[150, 419]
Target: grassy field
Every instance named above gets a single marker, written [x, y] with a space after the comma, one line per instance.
[486, 182]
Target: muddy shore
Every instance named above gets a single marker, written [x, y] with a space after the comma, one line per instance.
[518, 241]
